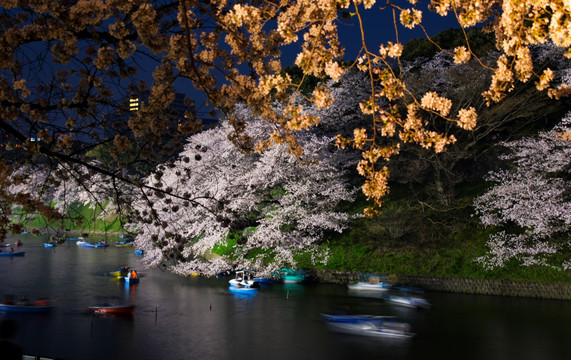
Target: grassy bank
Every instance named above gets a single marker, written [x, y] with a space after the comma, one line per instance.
[406, 238]
[413, 239]
[81, 219]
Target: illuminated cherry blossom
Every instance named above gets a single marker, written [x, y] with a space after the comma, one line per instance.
[533, 195]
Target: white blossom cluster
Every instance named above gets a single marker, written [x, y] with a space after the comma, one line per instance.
[534, 195]
[276, 203]
[70, 185]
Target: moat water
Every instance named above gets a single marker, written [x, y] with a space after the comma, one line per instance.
[199, 318]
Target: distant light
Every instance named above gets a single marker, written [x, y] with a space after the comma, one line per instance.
[133, 104]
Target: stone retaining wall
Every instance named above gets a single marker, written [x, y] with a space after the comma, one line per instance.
[560, 291]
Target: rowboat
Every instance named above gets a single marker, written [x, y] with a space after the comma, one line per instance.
[19, 253]
[244, 279]
[91, 245]
[412, 302]
[40, 305]
[4, 245]
[49, 245]
[25, 308]
[370, 283]
[131, 278]
[386, 330]
[408, 297]
[354, 319]
[291, 276]
[368, 325]
[124, 244]
[123, 271]
[112, 309]
[263, 280]
[243, 292]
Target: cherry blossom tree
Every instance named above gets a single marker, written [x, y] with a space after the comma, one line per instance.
[74, 186]
[529, 203]
[66, 64]
[261, 209]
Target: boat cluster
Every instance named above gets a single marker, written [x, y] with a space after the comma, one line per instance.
[374, 325]
[247, 282]
[84, 242]
[378, 287]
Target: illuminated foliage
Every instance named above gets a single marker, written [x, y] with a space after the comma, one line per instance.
[272, 205]
[531, 201]
[67, 66]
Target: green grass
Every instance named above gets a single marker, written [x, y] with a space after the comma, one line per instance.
[81, 218]
[406, 238]
[409, 239]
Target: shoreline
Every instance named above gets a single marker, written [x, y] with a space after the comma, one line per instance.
[512, 288]
[452, 284]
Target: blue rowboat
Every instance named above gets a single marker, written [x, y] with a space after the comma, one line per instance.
[263, 280]
[243, 292]
[25, 308]
[354, 319]
[91, 245]
[37, 306]
[19, 253]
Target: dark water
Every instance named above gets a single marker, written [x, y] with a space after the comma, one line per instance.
[198, 318]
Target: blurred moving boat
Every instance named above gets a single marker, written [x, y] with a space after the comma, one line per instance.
[92, 245]
[378, 326]
[291, 276]
[370, 283]
[407, 297]
[355, 319]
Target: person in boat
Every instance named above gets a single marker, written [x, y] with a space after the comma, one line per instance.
[124, 270]
[8, 348]
[133, 274]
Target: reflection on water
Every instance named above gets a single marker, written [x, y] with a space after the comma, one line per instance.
[199, 318]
